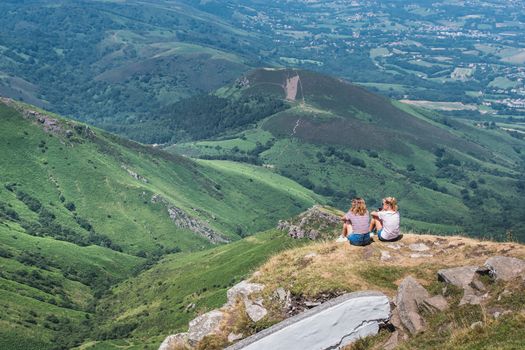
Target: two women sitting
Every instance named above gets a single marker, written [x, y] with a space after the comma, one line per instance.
[385, 221]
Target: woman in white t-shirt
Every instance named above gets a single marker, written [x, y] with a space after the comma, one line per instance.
[386, 221]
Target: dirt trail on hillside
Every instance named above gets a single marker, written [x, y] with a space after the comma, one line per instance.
[291, 87]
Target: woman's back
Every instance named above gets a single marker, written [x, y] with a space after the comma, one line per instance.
[360, 223]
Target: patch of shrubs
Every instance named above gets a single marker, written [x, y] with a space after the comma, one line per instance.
[8, 213]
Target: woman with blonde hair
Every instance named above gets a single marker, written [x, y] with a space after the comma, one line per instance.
[386, 221]
[358, 220]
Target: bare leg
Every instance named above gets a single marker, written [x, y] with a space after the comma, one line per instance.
[345, 230]
[375, 224]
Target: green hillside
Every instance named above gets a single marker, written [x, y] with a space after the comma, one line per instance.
[165, 298]
[81, 210]
[340, 140]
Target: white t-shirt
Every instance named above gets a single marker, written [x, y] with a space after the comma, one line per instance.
[390, 221]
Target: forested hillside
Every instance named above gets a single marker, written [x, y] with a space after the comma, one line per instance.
[340, 140]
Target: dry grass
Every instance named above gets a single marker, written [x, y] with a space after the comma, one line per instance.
[330, 266]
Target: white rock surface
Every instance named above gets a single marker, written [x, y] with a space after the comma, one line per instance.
[419, 255]
[385, 256]
[205, 325]
[255, 310]
[395, 246]
[331, 325]
[418, 247]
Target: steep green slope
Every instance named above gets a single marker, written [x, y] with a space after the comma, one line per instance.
[81, 210]
[165, 298]
[341, 140]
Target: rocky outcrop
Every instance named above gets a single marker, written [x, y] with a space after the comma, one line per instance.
[504, 268]
[315, 223]
[410, 295]
[134, 174]
[204, 325]
[185, 221]
[331, 325]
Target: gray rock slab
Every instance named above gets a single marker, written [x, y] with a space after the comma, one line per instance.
[435, 303]
[204, 325]
[255, 310]
[411, 294]
[331, 325]
[418, 247]
[385, 256]
[458, 276]
[242, 289]
[505, 268]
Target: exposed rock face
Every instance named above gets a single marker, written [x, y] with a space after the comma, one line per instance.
[315, 223]
[331, 325]
[410, 295]
[183, 220]
[175, 342]
[134, 174]
[204, 325]
[504, 268]
[242, 289]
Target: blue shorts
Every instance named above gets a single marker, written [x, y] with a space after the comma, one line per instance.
[359, 239]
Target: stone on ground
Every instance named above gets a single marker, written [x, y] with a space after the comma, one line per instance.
[505, 268]
[410, 295]
[458, 276]
[418, 247]
[435, 303]
[255, 310]
[242, 289]
[205, 325]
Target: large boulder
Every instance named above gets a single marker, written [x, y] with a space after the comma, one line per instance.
[411, 294]
[458, 276]
[504, 268]
[205, 325]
